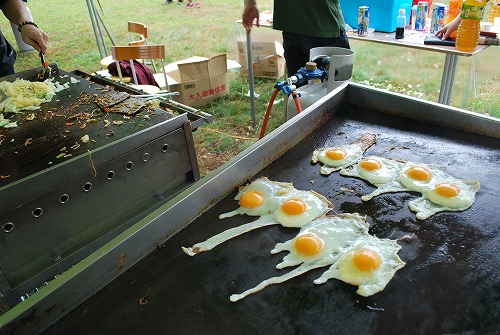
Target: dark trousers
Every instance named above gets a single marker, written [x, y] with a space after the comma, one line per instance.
[7, 57]
[297, 48]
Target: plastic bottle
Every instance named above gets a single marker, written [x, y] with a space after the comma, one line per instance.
[400, 23]
[494, 10]
[454, 10]
[413, 16]
[470, 26]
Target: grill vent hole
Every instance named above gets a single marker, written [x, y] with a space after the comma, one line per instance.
[129, 166]
[87, 186]
[8, 227]
[64, 198]
[110, 175]
[37, 212]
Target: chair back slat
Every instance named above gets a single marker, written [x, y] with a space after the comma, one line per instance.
[139, 52]
[138, 28]
[141, 41]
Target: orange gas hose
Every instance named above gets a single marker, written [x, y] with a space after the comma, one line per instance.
[266, 117]
[297, 102]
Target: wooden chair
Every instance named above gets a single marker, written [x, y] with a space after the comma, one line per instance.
[141, 30]
[138, 36]
[132, 52]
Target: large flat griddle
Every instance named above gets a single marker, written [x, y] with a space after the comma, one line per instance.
[450, 283]
[37, 144]
[62, 198]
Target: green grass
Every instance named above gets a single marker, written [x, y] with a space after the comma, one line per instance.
[211, 30]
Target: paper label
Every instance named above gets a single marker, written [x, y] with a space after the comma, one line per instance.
[472, 12]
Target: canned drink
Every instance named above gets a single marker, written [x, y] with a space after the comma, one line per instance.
[363, 20]
[438, 16]
[421, 19]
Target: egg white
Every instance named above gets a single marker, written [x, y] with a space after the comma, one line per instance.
[354, 153]
[336, 232]
[368, 282]
[431, 203]
[384, 179]
[316, 206]
[274, 194]
[437, 176]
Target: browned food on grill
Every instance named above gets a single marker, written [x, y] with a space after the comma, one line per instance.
[366, 141]
[111, 99]
[128, 107]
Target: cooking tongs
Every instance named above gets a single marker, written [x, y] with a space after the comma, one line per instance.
[46, 71]
[159, 95]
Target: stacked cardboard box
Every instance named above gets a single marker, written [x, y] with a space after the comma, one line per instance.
[199, 80]
[267, 56]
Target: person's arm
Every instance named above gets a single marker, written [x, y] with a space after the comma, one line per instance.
[449, 28]
[16, 12]
[250, 13]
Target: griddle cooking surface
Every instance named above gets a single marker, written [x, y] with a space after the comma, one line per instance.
[54, 135]
[450, 283]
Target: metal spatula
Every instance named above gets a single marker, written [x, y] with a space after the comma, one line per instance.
[46, 71]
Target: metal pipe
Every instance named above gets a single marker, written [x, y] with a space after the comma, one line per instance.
[250, 77]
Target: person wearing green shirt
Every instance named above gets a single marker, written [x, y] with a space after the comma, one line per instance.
[304, 25]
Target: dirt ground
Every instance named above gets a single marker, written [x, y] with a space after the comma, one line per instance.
[210, 161]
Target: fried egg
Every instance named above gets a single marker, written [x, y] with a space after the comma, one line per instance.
[323, 237]
[343, 242]
[260, 197]
[318, 244]
[450, 195]
[370, 263]
[294, 209]
[336, 158]
[378, 171]
[420, 177]
[301, 207]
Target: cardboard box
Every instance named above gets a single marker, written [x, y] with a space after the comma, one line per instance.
[199, 80]
[267, 57]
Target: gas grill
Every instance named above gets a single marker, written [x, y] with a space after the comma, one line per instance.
[62, 198]
[141, 281]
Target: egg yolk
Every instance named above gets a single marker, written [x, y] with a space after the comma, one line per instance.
[308, 244]
[336, 154]
[419, 173]
[447, 190]
[251, 199]
[294, 206]
[370, 164]
[366, 260]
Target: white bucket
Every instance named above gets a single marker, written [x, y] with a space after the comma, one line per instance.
[340, 71]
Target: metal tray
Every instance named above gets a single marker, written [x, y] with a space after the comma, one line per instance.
[449, 284]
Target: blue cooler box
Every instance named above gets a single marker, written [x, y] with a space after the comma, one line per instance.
[383, 13]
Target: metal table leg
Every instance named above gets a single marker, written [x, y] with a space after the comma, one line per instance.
[450, 67]
[250, 77]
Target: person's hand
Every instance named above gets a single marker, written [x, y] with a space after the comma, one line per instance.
[250, 13]
[449, 28]
[35, 37]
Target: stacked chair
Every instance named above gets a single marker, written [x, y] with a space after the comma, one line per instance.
[138, 49]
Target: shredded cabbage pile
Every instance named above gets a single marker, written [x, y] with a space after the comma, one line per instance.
[26, 95]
